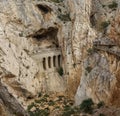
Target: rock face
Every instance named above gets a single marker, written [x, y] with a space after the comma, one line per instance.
[48, 45]
[100, 68]
[25, 27]
[10, 103]
[97, 81]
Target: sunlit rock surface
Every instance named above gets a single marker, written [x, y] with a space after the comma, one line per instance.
[49, 46]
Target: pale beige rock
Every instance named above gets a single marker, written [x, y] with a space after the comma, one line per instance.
[27, 26]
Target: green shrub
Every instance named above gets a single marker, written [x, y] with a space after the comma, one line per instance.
[39, 94]
[105, 24]
[38, 101]
[101, 114]
[60, 71]
[100, 104]
[51, 103]
[68, 111]
[86, 106]
[41, 100]
[90, 50]
[64, 17]
[45, 112]
[46, 95]
[113, 5]
[57, 1]
[31, 113]
[30, 106]
[103, 5]
[38, 112]
[88, 69]
[67, 107]
[57, 107]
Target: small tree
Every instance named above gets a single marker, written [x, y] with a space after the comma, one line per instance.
[60, 71]
[100, 104]
[113, 5]
[86, 106]
[105, 24]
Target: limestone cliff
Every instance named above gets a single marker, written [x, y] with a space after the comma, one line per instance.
[100, 73]
[69, 46]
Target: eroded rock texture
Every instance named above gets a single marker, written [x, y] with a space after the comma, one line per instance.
[100, 73]
[27, 26]
[38, 37]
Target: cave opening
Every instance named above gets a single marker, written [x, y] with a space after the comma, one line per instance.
[49, 35]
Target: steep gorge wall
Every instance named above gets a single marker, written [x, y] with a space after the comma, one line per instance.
[71, 25]
[100, 70]
[24, 26]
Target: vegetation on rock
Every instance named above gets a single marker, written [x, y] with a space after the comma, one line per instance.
[64, 17]
[86, 106]
[100, 104]
[60, 71]
[105, 24]
[57, 1]
[60, 105]
[113, 5]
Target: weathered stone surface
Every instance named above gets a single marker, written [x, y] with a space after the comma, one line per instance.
[27, 26]
[107, 69]
[97, 82]
[21, 23]
[10, 103]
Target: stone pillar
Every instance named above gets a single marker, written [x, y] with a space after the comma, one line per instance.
[52, 66]
[56, 61]
[41, 65]
[47, 67]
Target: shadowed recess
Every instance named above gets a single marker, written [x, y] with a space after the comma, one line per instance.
[44, 8]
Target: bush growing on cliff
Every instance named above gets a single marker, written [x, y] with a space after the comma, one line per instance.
[38, 112]
[105, 24]
[64, 17]
[60, 71]
[90, 50]
[57, 1]
[30, 106]
[100, 104]
[101, 114]
[113, 5]
[88, 69]
[86, 106]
